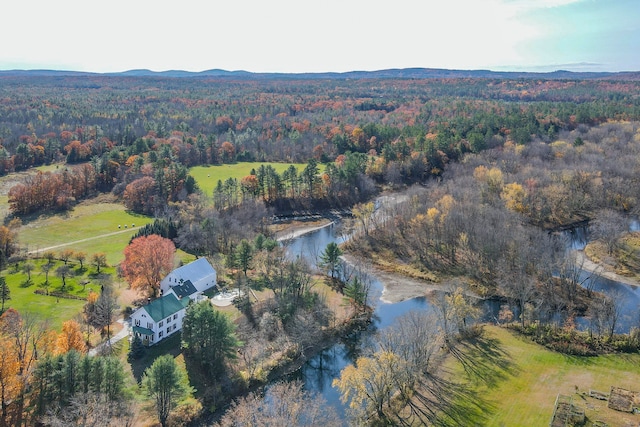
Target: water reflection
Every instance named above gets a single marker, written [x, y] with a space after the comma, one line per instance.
[319, 372]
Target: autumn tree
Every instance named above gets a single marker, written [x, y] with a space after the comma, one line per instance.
[80, 257]
[99, 260]
[92, 409]
[368, 386]
[147, 259]
[9, 379]
[364, 214]
[70, 338]
[227, 152]
[396, 382]
[65, 255]
[8, 243]
[28, 339]
[140, 195]
[49, 256]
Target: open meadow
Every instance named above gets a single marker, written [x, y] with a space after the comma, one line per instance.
[207, 177]
[517, 381]
[89, 227]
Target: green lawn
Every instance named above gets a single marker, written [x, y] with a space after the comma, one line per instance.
[207, 177]
[86, 228]
[516, 382]
[46, 307]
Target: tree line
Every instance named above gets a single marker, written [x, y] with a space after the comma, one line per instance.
[424, 125]
[492, 219]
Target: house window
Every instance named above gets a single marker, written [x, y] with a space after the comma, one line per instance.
[174, 327]
[160, 334]
[168, 319]
[175, 316]
[149, 325]
[169, 330]
[161, 324]
[137, 322]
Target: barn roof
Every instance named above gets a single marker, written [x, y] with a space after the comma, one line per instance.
[196, 270]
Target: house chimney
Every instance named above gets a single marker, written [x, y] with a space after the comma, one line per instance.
[148, 300]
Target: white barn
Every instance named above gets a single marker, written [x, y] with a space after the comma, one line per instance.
[199, 272]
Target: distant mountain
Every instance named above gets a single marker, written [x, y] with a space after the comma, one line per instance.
[402, 73]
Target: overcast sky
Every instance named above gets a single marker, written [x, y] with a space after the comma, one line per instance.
[329, 35]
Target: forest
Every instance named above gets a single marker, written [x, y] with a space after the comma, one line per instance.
[491, 172]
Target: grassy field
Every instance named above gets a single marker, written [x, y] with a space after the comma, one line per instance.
[46, 307]
[516, 382]
[90, 228]
[207, 177]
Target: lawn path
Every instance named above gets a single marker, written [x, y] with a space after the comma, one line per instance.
[101, 236]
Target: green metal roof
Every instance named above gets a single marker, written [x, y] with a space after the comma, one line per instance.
[166, 306]
[142, 331]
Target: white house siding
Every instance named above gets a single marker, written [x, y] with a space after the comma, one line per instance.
[162, 327]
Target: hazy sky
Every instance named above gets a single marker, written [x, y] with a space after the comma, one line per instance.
[329, 35]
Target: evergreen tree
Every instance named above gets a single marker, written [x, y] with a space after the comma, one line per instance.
[330, 259]
[5, 292]
[208, 337]
[165, 382]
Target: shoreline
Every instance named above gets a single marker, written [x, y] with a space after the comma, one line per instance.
[295, 231]
[396, 287]
[601, 270]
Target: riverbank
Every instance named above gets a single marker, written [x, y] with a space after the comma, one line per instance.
[397, 287]
[295, 229]
[601, 270]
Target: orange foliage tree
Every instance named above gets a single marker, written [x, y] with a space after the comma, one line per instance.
[9, 380]
[147, 260]
[70, 338]
[23, 340]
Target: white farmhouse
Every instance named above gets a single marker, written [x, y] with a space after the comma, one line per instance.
[159, 319]
[163, 317]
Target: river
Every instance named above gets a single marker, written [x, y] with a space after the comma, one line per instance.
[318, 373]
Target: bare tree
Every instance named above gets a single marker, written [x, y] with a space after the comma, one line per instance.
[105, 309]
[63, 271]
[608, 226]
[28, 268]
[92, 410]
[284, 404]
